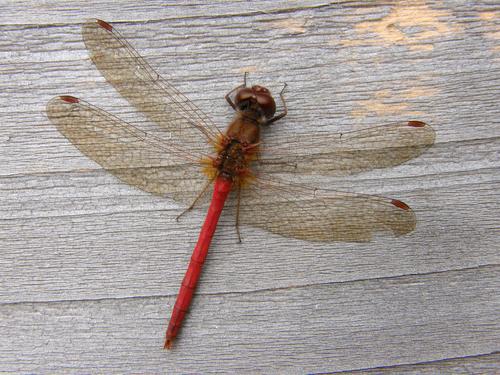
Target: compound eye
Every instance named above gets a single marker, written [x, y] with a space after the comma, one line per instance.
[267, 104]
[260, 90]
[265, 100]
[244, 94]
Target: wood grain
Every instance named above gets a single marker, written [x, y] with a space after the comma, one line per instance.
[90, 267]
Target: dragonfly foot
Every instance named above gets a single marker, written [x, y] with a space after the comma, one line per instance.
[183, 212]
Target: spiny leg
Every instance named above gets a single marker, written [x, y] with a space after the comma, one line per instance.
[285, 109]
[201, 194]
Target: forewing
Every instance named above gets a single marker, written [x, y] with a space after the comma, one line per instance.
[136, 81]
[322, 215]
[347, 153]
[139, 159]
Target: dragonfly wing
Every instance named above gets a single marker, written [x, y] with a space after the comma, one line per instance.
[137, 82]
[139, 159]
[346, 153]
[322, 215]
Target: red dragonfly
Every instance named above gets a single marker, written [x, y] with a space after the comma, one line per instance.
[187, 156]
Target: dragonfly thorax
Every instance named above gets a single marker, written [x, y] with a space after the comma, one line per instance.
[232, 160]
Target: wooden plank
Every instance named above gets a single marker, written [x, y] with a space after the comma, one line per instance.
[481, 364]
[90, 266]
[372, 323]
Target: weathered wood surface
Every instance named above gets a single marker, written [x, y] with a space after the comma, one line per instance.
[90, 267]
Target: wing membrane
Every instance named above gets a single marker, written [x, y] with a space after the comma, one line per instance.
[136, 81]
[322, 215]
[130, 154]
[347, 153]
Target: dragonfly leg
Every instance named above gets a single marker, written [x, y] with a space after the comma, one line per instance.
[237, 223]
[285, 109]
[192, 205]
[228, 95]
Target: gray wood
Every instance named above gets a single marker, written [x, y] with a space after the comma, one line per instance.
[481, 364]
[90, 267]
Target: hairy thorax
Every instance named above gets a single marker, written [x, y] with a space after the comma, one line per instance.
[236, 149]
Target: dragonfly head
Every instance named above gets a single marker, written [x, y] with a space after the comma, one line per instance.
[256, 98]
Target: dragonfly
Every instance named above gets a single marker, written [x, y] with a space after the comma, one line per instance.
[188, 158]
